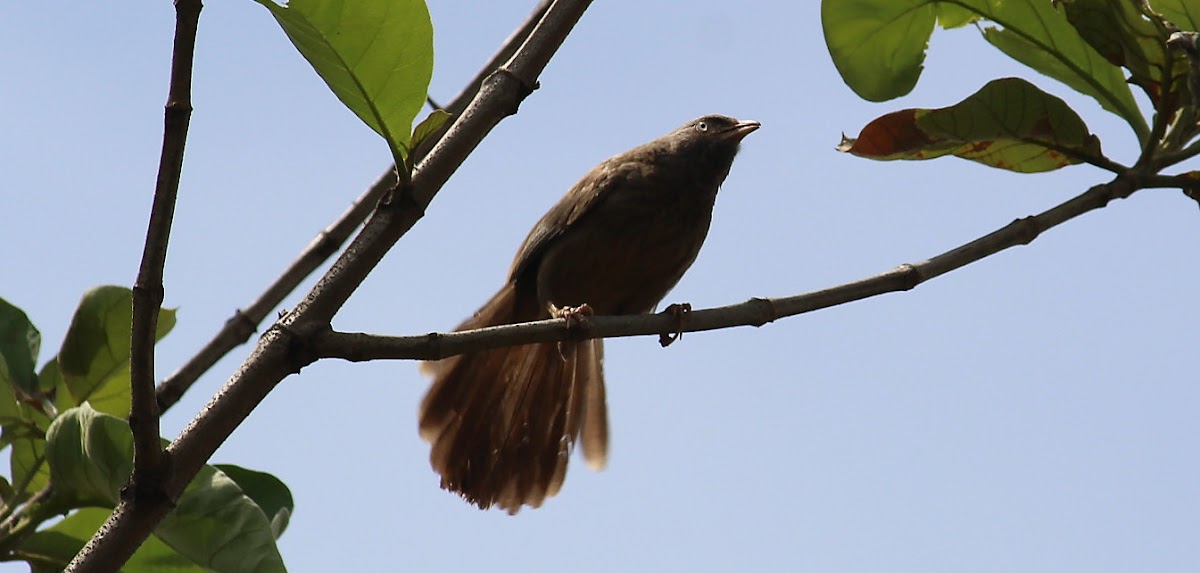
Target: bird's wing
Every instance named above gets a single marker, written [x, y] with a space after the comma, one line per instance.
[582, 198]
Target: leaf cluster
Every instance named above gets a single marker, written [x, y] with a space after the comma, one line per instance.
[71, 451]
[1099, 48]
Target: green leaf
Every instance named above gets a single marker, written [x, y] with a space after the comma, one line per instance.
[1037, 35]
[214, 524]
[94, 359]
[433, 122]
[26, 434]
[879, 46]
[51, 375]
[1182, 13]
[1119, 33]
[90, 457]
[50, 378]
[10, 409]
[221, 528]
[7, 493]
[376, 56]
[954, 16]
[20, 343]
[268, 492]
[423, 130]
[54, 547]
[1009, 124]
[28, 462]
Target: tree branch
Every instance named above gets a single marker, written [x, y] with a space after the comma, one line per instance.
[754, 312]
[239, 327]
[151, 467]
[277, 353]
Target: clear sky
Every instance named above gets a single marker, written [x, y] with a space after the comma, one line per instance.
[1035, 411]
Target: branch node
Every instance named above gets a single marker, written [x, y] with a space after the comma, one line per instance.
[299, 343]
[402, 200]
[910, 276]
[241, 324]
[147, 486]
[1026, 229]
[434, 340]
[766, 309]
[151, 289]
[524, 88]
[325, 245]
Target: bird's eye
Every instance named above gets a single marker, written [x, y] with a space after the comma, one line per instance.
[702, 126]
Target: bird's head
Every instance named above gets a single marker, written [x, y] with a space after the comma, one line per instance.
[712, 140]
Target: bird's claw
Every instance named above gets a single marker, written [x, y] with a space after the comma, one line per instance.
[679, 311]
[576, 317]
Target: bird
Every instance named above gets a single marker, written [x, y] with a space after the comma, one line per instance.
[502, 422]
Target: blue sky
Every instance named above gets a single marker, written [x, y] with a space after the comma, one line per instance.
[1032, 412]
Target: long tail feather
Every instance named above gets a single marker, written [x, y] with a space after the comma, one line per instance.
[502, 422]
[594, 435]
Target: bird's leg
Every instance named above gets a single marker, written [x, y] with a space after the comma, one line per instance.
[679, 311]
[576, 317]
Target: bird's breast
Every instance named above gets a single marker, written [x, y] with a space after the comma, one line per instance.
[626, 253]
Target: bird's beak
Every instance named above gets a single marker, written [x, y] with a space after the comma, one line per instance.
[742, 129]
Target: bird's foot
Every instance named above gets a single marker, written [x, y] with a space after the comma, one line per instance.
[576, 317]
[679, 311]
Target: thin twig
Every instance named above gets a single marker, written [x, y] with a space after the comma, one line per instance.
[151, 466]
[754, 312]
[239, 327]
[148, 291]
[1162, 118]
[18, 526]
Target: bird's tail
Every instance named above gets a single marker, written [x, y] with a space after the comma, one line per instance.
[502, 422]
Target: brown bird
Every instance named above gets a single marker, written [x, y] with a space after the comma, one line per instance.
[502, 422]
